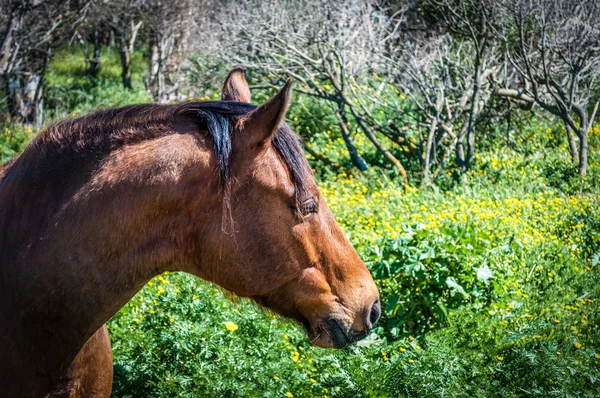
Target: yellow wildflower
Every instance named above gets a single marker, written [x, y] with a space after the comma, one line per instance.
[231, 326]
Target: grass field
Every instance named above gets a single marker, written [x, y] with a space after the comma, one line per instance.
[490, 288]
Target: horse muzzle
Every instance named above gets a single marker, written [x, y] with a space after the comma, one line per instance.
[342, 335]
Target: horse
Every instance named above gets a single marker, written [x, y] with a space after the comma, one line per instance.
[96, 206]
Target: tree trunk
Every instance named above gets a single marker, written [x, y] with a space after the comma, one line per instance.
[444, 159]
[126, 68]
[126, 44]
[355, 157]
[24, 96]
[94, 67]
[125, 61]
[7, 49]
[21, 72]
[460, 157]
[160, 52]
[460, 153]
[583, 151]
[572, 144]
[153, 83]
[429, 149]
[471, 122]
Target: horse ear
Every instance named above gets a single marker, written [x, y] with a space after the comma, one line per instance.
[265, 120]
[235, 87]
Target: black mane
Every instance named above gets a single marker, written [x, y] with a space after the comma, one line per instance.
[80, 144]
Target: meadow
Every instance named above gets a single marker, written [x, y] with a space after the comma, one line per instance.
[489, 288]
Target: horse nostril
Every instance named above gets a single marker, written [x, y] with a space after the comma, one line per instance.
[373, 314]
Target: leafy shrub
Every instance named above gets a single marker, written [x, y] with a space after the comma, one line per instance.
[12, 140]
[422, 275]
[183, 337]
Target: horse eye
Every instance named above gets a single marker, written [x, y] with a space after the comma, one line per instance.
[308, 207]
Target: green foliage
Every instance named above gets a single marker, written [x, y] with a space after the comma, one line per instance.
[184, 337]
[519, 316]
[488, 289]
[70, 92]
[422, 275]
[12, 140]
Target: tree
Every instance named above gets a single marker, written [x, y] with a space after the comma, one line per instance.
[554, 45]
[31, 29]
[329, 48]
[437, 73]
[471, 20]
[126, 28]
[170, 25]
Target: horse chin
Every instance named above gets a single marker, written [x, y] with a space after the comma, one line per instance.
[328, 334]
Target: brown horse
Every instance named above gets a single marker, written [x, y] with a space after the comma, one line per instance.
[96, 206]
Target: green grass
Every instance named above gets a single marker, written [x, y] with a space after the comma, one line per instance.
[531, 330]
[70, 92]
[489, 288]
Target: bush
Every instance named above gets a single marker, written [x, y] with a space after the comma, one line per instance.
[13, 138]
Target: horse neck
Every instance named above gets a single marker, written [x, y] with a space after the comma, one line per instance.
[101, 243]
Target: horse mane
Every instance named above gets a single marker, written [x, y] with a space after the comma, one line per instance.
[83, 142]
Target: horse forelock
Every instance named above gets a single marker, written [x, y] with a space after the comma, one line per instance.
[217, 117]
